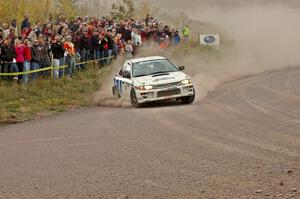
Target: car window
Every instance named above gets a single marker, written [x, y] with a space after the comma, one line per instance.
[125, 69]
[152, 67]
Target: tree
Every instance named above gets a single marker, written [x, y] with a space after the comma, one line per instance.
[37, 10]
[67, 8]
[145, 8]
[123, 10]
[16, 9]
[178, 20]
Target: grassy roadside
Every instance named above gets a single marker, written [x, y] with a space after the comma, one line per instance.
[19, 103]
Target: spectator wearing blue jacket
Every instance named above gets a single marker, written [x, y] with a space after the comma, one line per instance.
[175, 38]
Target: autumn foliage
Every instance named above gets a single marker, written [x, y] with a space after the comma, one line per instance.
[36, 9]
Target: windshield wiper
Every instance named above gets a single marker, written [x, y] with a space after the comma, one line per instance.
[161, 72]
[155, 74]
[140, 75]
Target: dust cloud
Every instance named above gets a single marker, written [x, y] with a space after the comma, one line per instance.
[256, 37]
[104, 96]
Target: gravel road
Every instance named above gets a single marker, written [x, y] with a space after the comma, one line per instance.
[242, 141]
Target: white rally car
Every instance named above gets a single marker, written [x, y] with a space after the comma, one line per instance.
[151, 79]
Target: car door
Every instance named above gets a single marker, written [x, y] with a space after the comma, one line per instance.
[123, 80]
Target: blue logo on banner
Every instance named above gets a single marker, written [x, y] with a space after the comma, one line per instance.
[209, 39]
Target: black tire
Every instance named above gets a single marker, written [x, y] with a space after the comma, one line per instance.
[189, 99]
[133, 99]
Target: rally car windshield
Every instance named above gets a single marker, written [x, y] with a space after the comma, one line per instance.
[153, 67]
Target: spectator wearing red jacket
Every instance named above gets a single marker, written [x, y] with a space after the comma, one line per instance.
[19, 50]
[27, 59]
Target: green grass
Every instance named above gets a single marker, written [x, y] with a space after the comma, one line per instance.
[19, 103]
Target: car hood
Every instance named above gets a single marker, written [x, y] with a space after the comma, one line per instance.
[160, 79]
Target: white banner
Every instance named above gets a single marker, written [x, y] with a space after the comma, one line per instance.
[210, 40]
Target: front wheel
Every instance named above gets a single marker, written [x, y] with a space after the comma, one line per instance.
[188, 99]
[134, 100]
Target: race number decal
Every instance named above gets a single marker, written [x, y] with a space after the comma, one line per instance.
[118, 85]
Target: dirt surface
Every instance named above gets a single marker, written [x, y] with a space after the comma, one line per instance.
[242, 141]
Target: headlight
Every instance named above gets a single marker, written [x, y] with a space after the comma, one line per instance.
[148, 87]
[143, 88]
[186, 82]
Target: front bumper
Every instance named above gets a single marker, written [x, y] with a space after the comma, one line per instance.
[165, 93]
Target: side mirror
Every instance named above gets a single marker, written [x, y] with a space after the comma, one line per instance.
[126, 75]
[181, 68]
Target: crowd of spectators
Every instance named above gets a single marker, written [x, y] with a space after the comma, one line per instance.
[64, 41]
